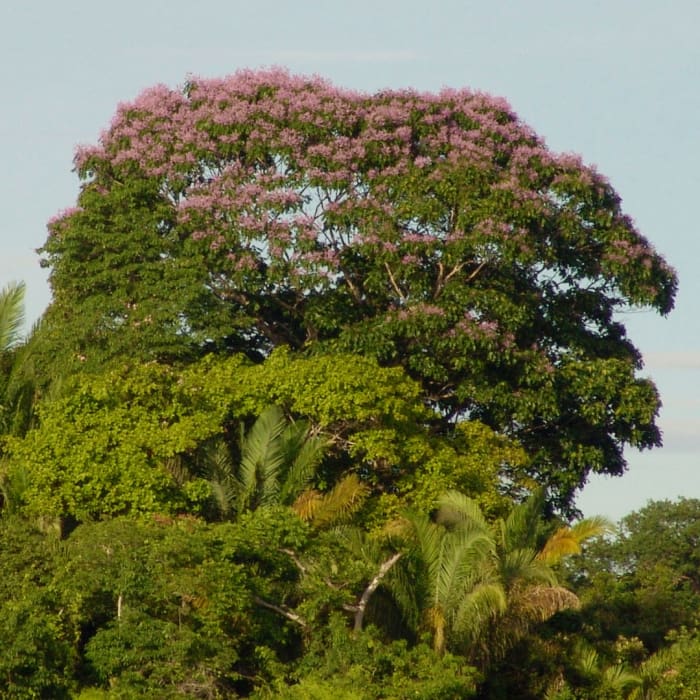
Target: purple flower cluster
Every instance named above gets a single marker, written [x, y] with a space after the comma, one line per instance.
[302, 177]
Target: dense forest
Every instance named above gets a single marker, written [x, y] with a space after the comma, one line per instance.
[306, 418]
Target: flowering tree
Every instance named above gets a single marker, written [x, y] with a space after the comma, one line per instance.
[435, 231]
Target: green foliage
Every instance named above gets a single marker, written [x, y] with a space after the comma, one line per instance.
[129, 441]
[168, 607]
[645, 581]
[674, 672]
[11, 315]
[101, 448]
[18, 377]
[594, 680]
[38, 657]
[366, 667]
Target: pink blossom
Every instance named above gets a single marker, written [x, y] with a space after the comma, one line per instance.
[301, 170]
[63, 214]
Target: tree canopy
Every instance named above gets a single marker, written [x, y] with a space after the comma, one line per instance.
[432, 231]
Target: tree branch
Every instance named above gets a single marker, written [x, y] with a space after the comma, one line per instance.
[292, 555]
[353, 289]
[284, 611]
[476, 272]
[443, 279]
[402, 296]
[372, 587]
[458, 268]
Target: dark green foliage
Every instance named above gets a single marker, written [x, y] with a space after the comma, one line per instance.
[645, 582]
[37, 658]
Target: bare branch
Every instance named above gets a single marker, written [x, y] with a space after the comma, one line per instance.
[292, 555]
[284, 611]
[353, 289]
[396, 287]
[476, 272]
[372, 587]
[458, 268]
[443, 279]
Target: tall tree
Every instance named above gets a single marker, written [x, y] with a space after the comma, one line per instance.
[434, 231]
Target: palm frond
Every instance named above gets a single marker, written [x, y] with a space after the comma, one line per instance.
[522, 565]
[23, 386]
[336, 506]
[595, 526]
[307, 504]
[176, 467]
[11, 315]
[303, 453]
[520, 527]
[262, 457]
[224, 493]
[218, 460]
[656, 668]
[483, 604]
[588, 661]
[456, 509]
[567, 541]
[619, 678]
[468, 558]
[405, 584]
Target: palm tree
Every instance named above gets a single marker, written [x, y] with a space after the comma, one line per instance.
[448, 584]
[526, 569]
[278, 461]
[481, 587]
[456, 588]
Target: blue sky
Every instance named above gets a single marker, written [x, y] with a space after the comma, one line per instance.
[615, 80]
